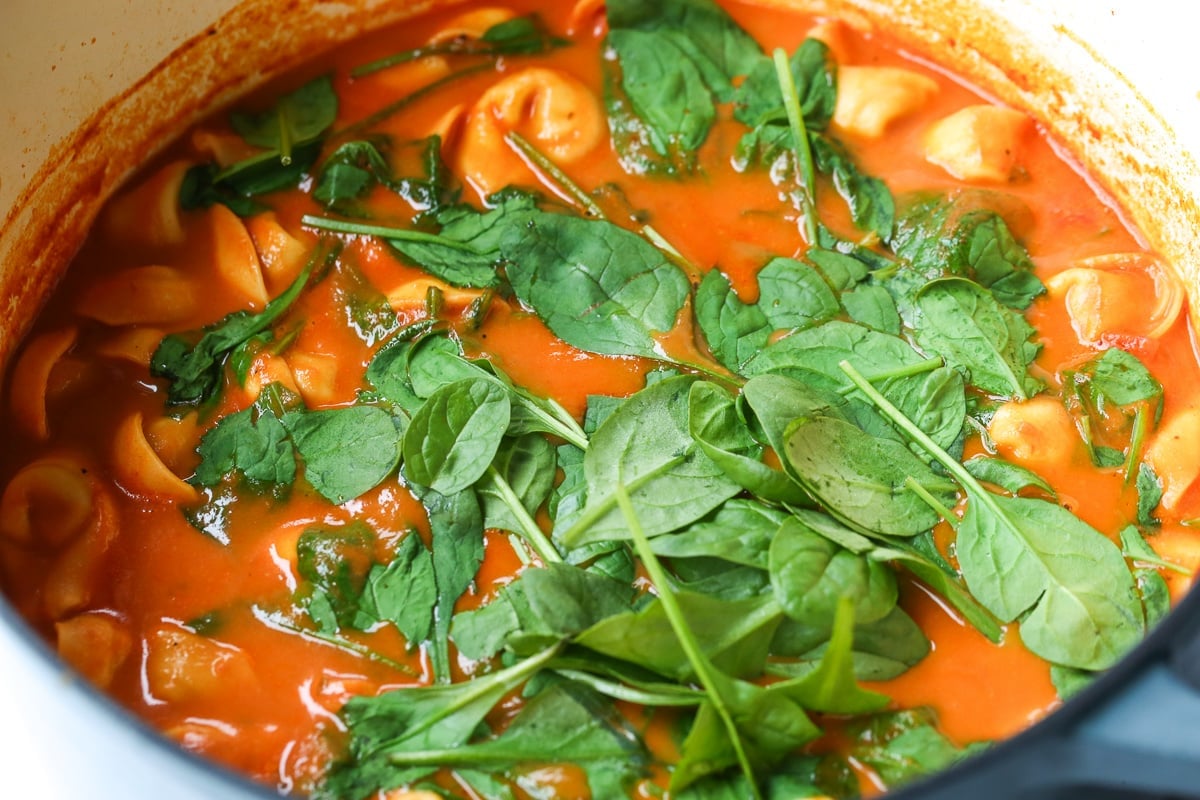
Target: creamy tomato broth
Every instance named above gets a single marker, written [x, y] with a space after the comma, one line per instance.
[506, 406]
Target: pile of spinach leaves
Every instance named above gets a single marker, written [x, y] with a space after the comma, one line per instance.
[735, 520]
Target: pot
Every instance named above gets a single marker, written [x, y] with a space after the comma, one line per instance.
[86, 103]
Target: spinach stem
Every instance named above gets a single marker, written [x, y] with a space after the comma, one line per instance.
[274, 621]
[471, 691]
[602, 507]
[542, 163]
[805, 171]
[629, 694]
[916, 488]
[925, 365]
[957, 470]
[658, 240]
[708, 370]
[1136, 440]
[247, 163]
[454, 47]
[383, 232]
[520, 548]
[705, 672]
[285, 137]
[409, 99]
[1160, 562]
[530, 531]
[556, 418]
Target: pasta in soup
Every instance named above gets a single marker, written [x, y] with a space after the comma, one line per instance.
[612, 399]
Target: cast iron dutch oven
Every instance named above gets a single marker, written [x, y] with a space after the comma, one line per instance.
[1134, 734]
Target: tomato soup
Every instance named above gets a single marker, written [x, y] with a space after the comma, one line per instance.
[603, 400]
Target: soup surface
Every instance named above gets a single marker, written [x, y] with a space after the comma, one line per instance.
[628, 400]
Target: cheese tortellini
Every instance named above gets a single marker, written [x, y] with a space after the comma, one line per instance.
[556, 112]
[1096, 292]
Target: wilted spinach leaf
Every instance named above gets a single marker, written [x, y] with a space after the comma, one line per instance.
[346, 451]
[596, 286]
[194, 369]
[960, 321]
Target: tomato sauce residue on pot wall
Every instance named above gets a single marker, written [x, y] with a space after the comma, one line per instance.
[203, 510]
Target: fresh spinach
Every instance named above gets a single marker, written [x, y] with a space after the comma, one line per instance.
[1008, 476]
[252, 443]
[881, 650]
[335, 562]
[349, 174]
[298, 117]
[792, 296]
[714, 424]
[456, 533]
[670, 63]
[735, 331]
[871, 484]
[1156, 596]
[417, 719]
[733, 634]
[757, 101]
[542, 606]
[193, 366]
[525, 35]
[871, 305]
[811, 575]
[290, 133]
[527, 465]
[870, 201]
[564, 720]
[1067, 582]
[991, 344]
[901, 746]
[346, 451]
[597, 286]
[455, 435]
[402, 592]
[739, 532]
[831, 686]
[646, 444]
[467, 250]
[961, 235]
[1116, 401]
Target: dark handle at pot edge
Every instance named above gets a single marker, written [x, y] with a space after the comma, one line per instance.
[1137, 738]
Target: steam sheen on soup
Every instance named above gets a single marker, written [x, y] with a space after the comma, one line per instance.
[615, 400]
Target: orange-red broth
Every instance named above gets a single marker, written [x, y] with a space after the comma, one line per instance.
[269, 708]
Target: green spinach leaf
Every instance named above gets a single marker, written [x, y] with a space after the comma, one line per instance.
[960, 321]
[863, 481]
[251, 443]
[810, 575]
[417, 719]
[597, 286]
[455, 435]
[402, 592]
[646, 445]
[962, 235]
[902, 746]
[194, 369]
[542, 606]
[740, 532]
[715, 425]
[346, 451]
